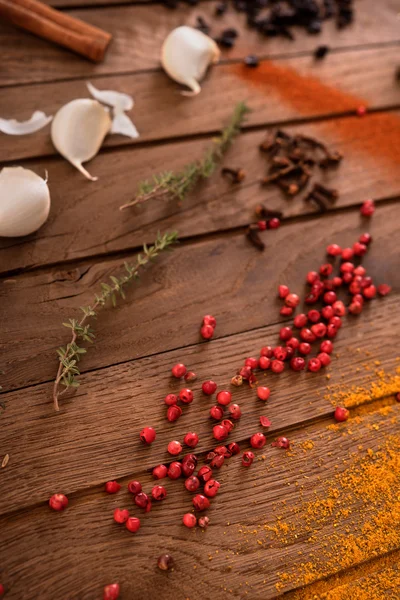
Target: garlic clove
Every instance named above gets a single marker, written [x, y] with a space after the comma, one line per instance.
[13, 127]
[123, 125]
[24, 201]
[115, 99]
[78, 131]
[186, 55]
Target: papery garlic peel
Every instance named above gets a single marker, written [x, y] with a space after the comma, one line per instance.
[24, 201]
[186, 54]
[13, 127]
[120, 102]
[78, 131]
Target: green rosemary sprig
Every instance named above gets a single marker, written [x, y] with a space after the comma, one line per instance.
[70, 355]
[177, 185]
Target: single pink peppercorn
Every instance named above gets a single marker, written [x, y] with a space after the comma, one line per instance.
[204, 473]
[190, 376]
[277, 366]
[233, 448]
[158, 492]
[369, 292]
[262, 225]
[314, 365]
[179, 370]
[398, 397]
[347, 254]
[192, 483]
[347, 278]
[355, 308]
[174, 448]
[170, 399]
[273, 223]
[227, 424]
[292, 300]
[267, 351]
[285, 333]
[265, 422]
[365, 238]
[330, 297]
[280, 353]
[313, 315]
[251, 362]
[286, 311]
[174, 470]
[246, 373]
[331, 331]
[186, 396]
[224, 397]
[300, 320]
[336, 322]
[189, 520]
[211, 488]
[220, 432]
[334, 250]
[207, 332]
[337, 281]
[341, 414]
[367, 208]
[200, 502]
[312, 277]
[307, 335]
[134, 487]
[58, 502]
[359, 249]
[319, 330]
[258, 440]
[203, 522]
[384, 289]
[132, 524]
[360, 270]
[347, 267]
[264, 363]
[283, 291]
[209, 387]
[112, 487]
[263, 393]
[111, 592]
[160, 472]
[324, 359]
[304, 348]
[327, 312]
[173, 413]
[235, 411]
[217, 461]
[141, 500]
[281, 442]
[121, 515]
[148, 435]
[339, 308]
[297, 363]
[326, 269]
[326, 346]
[216, 412]
[293, 343]
[210, 320]
[247, 458]
[191, 439]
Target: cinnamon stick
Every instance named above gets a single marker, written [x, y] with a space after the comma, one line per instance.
[58, 27]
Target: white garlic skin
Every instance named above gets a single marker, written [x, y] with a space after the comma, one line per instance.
[24, 202]
[186, 54]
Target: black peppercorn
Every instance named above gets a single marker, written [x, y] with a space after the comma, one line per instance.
[251, 61]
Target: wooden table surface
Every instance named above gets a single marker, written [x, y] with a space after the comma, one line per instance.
[47, 276]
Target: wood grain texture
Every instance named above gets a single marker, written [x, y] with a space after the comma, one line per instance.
[43, 552]
[174, 294]
[112, 405]
[161, 113]
[139, 31]
[85, 220]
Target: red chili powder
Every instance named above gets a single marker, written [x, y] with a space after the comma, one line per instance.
[377, 134]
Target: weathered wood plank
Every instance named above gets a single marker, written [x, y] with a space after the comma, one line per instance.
[164, 311]
[85, 219]
[43, 552]
[160, 113]
[138, 32]
[51, 450]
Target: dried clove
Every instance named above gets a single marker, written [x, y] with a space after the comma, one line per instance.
[253, 235]
[262, 212]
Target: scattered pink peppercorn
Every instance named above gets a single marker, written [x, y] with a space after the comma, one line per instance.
[280, 353]
[305, 348]
[174, 448]
[281, 442]
[359, 249]
[384, 289]
[365, 238]
[158, 492]
[227, 424]
[200, 502]
[312, 277]
[204, 473]
[173, 413]
[159, 472]
[265, 422]
[235, 411]
[277, 366]
[273, 223]
[285, 333]
[324, 359]
[203, 522]
[111, 592]
[339, 308]
[326, 269]
[190, 376]
[336, 321]
[307, 335]
[293, 343]
[300, 320]
[334, 250]
[326, 346]
[283, 291]
[148, 435]
[247, 458]
[112, 487]
[347, 277]
[263, 393]
[347, 254]
[121, 515]
[216, 412]
[327, 312]
[246, 373]
[319, 330]
[264, 363]
[233, 448]
[179, 370]
[331, 331]
[141, 500]
[174, 470]
[251, 362]
[132, 524]
[367, 208]
[224, 397]
[360, 270]
[286, 311]
[369, 292]
[58, 502]
[209, 320]
[186, 396]
[170, 399]
[341, 414]
[189, 520]
[134, 487]
[355, 308]
[330, 297]
[220, 432]
[237, 380]
[191, 439]
[347, 267]
[292, 300]
[313, 315]
[314, 365]
[337, 281]
[188, 465]
[207, 332]
[211, 488]
[258, 440]
[209, 387]
[217, 461]
[297, 363]
[267, 351]
[262, 225]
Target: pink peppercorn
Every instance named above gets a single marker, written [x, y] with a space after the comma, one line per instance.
[324, 359]
[347, 254]
[330, 297]
[300, 320]
[277, 366]
[173, 413]
[158, 492]
[267, 351]
[121, 515]
[326, 346]
[142, 500]
[134, 487]
[326, 270]
[190, 376]
[220, 432]
[262, 225]
[247, 458]
[216, 412]
[313, 315]
[189, 520]
[233, 448]
[217, 461]
[341, 414]
[292, 300]
[209, 320]
[258, 440]
[112, 487]
[174, 448]
[367, 208]
[265, 422]
[263, 393]
[160, 472]
[319, 330]
[110, 592]
[286, 311]
[293, 343]
[148, 435]
[251, 362]
[281, 442]
[207, 332]
[297, 363]
[369, 292]
[191, 439]
[384, 289]
[227, 424]
[339, 308]
[334, 250]
[192, 483]
[179, 370]
[285, 333]
[58, 502]
[200, 502]
[314, 365]
[170, 399]
[280, 353]
[283, 291]
[211, 488]
[312, 277]
[264, 363]
[209, 387]
[307, 335]
[327, 312]
[224, 397]
[186, 396]
[273, 223]
[359, 249]
[175, 470]
[235, 411]
[304, 348]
